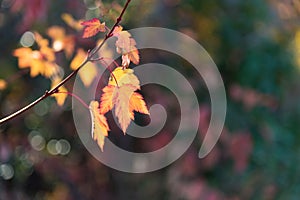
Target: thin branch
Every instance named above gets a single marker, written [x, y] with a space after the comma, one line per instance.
[56, 88]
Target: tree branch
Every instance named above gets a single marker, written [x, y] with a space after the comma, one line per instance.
[88, 59]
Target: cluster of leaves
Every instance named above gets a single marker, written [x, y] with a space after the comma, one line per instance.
[120, 93]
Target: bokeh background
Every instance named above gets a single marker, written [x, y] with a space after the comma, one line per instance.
[256, 46]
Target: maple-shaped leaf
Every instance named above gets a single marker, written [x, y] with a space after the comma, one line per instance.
[89, 72]
[137, 103]
[121, 99]
[125, 101]
[106, 103]
[126, 46]
[100, 127]
[39, 62]
[60, 97]
[120, 94]
[92, 27]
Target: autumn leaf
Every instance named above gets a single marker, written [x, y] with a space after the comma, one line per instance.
[137, 103]
[126, 46]
[39, 62]
[122, 97]
[89, 72]
[92, 27]
[70, 21]
[125, 101]
[61, 41]
[124, 76]
[61, 95]
[106, 103]
[105, 51]
[100, 127]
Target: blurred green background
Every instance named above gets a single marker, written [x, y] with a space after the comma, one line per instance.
[256, 46]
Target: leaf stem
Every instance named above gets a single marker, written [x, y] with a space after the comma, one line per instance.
[72, 74]
[75, 96]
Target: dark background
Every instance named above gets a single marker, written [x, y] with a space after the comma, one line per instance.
[255, 44]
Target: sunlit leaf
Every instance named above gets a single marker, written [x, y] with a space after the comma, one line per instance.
[138, 104]
[126, 46]
[62, 95]
[100, 127]
[124, 76]
[121, 98]
[61, 41]
[75, 24]
[92, 27]
[106, 103]
[89, 72]
[38, 62]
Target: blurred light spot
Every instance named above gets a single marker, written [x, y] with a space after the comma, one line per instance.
[6, 171]
[41, 109]
[37, 55]
[63, 147]
[57, 45]
[37, 142]
[27, 39]
[51, 147]
[32, 121]
[7, 4]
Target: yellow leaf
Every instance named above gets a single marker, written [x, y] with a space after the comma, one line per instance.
[124, 76]
[36, 61]
[78, 59]
[61, 41]
[121, 97]
[100, 127]
[60, 97]
[68, 19]
[89, 72]
[24, 55]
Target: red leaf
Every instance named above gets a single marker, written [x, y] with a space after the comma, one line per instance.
[92, 27]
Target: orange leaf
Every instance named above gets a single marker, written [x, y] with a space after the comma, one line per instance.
[106, 103]
[92, 27]
[100, 127]
[138, 104]
[122, 97]
[134, 56]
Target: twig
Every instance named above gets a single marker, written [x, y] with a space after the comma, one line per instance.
[55, 89]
